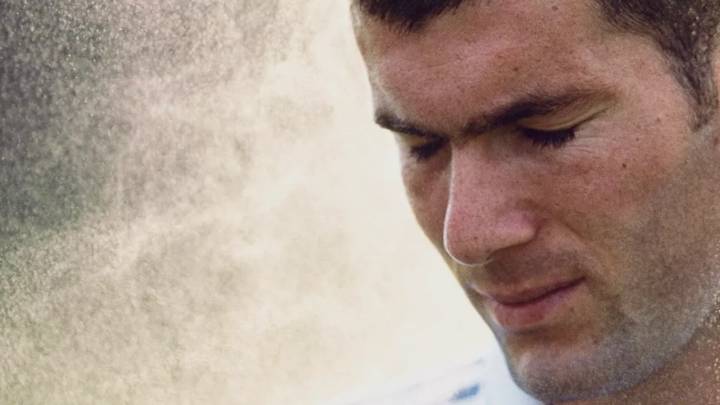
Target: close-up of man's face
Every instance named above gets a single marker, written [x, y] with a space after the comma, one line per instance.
[568, 173]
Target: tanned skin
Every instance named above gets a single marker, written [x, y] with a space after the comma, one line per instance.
[540, 147]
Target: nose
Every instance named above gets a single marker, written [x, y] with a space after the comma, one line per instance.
[487, 209]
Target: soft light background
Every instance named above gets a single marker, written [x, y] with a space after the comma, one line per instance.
[205, 214]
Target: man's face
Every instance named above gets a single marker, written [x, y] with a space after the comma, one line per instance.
[552, 161]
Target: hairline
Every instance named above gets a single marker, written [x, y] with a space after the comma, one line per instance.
[702, 109]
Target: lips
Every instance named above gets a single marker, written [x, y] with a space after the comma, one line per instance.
[527, 296]
[529, 309]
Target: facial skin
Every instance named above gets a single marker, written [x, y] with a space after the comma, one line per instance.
[621, 199]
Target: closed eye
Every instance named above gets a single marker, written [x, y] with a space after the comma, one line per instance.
[428, 149]
[539, 138]
[544, 139]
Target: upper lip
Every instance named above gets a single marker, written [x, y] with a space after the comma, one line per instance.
[527, 295]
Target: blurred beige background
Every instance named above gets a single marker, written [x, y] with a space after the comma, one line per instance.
[248, 241]
[374, 301]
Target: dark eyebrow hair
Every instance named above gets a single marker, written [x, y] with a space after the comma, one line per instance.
[530, 105]
[390, 121]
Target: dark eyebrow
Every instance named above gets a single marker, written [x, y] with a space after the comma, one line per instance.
[393, 123]
[531, 105]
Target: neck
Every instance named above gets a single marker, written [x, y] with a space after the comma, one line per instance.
[693, 377]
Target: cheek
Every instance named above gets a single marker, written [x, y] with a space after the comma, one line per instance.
[427, 190]
[610, 181]
[627, 206]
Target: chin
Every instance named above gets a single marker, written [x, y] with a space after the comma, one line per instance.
[557, 375]
[553, 385]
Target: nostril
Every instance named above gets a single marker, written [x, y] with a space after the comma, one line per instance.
[465, 252]
[469, 262]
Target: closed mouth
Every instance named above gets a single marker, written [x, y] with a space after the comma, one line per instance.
[533, 295]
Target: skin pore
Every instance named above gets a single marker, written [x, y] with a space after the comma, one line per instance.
[541, 146]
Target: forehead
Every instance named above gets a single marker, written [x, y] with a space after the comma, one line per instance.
[485, 54]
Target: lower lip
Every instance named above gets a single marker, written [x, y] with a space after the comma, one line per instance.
[522, 317]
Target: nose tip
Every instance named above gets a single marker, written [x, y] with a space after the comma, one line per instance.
[490, 205]
[471, 240]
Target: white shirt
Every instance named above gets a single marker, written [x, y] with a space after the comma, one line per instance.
[485, 381]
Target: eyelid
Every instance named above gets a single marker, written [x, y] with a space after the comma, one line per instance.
[414, 139]
[557, 121]
[425, 151]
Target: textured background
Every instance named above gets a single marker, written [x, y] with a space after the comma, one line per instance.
[196, 209]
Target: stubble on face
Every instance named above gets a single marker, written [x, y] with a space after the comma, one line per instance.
[630, 205]
[653, 285]
[641, 322]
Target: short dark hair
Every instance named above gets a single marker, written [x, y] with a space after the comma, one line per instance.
[684, 29]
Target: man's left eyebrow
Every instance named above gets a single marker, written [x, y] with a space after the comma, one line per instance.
[529, 106]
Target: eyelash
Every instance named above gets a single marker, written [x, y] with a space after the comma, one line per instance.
[426, 151]
[540, 139]
[545, 139]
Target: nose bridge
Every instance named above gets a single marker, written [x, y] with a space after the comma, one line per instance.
[485, 211]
